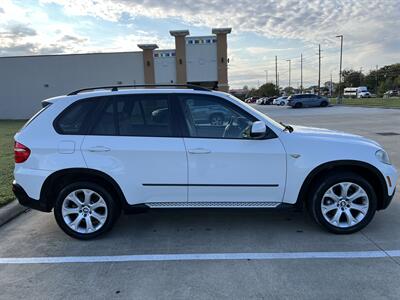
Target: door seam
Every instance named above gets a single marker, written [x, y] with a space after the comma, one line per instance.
[187, 169]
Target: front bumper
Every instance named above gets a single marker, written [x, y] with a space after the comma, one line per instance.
[25, 200]
[387, 200]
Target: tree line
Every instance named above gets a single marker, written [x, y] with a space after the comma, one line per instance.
[378, 82]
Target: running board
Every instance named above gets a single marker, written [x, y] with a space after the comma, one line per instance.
[213, 204]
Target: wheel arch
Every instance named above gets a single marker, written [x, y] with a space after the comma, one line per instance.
[60, 178]
[368, 171]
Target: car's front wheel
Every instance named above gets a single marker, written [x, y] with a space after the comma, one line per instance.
[343, 202]
[298, 105]
[85, 210]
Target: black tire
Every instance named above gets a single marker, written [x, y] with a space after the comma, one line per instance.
[324, 104]
[322, 186]
[298, 105]
[113, 209]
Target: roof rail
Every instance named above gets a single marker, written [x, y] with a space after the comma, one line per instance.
[115, 88]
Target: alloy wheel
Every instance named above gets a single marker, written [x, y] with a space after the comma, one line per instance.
[345, 204]
[84, 211]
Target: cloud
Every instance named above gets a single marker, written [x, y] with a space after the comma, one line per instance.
[265, 50]
[297, 19]
[72, 39]
[365, 24]
[129, 42]
[21, 39]
[21, 30]
[18, 49]
[370, 30]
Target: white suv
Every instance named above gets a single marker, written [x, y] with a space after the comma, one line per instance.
[96, 152]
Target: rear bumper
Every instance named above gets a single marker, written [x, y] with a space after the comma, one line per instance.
[25, 200]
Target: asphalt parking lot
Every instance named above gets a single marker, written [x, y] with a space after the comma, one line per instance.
[143, 257]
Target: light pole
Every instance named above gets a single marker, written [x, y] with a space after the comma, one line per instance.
[340, 67]
[276, 72]
[290, 70]
[301, 73]
[319, 69]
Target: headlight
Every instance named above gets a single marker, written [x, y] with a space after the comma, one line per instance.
[382, 156]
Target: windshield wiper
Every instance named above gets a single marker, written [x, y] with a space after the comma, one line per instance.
[287, 127]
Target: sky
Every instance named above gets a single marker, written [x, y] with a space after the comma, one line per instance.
[261, 30]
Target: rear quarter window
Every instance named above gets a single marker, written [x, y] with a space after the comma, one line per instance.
[75, 119]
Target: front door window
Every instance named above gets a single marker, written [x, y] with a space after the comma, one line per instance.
[208, 117]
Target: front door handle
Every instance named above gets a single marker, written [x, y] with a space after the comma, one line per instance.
[199, 151]
[99, 149]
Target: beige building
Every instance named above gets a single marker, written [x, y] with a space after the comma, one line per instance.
[26, 80]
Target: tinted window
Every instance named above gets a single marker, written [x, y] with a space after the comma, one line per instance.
[135, 115]
[105, 123]
[211, 117]
[74, 119]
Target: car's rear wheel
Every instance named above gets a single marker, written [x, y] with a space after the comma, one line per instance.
[298, 105]
[85, 210]
[282, 103]
[343, 203]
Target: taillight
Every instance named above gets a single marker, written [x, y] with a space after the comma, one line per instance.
[21, 152]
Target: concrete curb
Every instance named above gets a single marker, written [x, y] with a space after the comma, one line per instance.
[367, 106]
[11, 211]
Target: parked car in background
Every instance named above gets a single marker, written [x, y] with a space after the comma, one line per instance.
[210, 115]
[264, 101]
[391, 93]
[364, 95]
[353, 92]
[270, 100]
[260, 101]
[251, 99]
[280, 101]
[307, 100]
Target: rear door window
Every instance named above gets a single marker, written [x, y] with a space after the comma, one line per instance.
[135, 115]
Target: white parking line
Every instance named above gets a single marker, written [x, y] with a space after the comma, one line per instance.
[200, 256]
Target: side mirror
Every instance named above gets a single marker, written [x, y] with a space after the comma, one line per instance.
[258, 130]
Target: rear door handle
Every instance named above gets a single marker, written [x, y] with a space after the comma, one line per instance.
[199, 151]
[99, 149]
